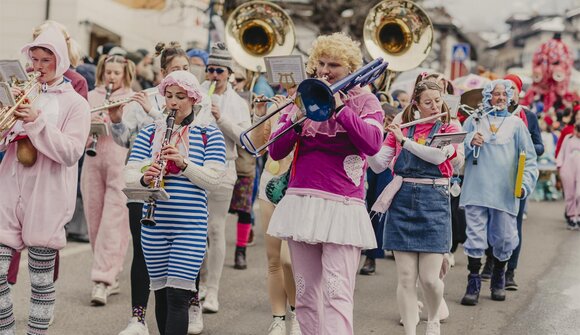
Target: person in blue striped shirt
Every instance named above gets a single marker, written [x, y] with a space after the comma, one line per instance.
[175, 247]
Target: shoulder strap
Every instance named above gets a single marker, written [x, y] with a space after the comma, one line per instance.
[204, 136]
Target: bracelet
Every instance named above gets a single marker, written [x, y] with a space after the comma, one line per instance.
[142, 181]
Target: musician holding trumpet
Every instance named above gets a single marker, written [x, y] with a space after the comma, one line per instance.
[195, 162]
[102, 182]
[31, 215]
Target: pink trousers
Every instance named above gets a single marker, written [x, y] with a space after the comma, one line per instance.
[325, 278]
[102, 182]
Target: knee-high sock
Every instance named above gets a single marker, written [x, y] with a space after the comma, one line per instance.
[244, 228]
[6, 313]
[41, 266]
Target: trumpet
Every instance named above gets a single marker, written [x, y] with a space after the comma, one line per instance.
[99, 128]
[149, 219]
[7, 118]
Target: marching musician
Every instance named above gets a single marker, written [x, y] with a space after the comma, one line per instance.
[145, 108]
[496, 139]
[56, 126]
[531, 122]
[102, 182]
[418, 227]
[323, 214]
[232, 116]
[174, 249]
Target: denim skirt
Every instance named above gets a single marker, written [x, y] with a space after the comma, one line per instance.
[419, 219]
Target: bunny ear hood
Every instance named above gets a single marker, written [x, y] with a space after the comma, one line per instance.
[52, 39]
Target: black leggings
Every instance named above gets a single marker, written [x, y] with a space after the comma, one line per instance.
[171, 310]
[139, 274]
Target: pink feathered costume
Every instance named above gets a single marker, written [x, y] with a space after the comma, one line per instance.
[36, 202]
[568, 162]
[102, 184]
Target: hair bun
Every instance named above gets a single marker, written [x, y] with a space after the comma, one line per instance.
[159, 47]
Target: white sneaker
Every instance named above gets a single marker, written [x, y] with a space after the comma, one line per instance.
[278, 327]
[195, 320]
[99, 295]
[433, 328]
[294, 325]
[202, 292]
[135, 328]
[211, 304]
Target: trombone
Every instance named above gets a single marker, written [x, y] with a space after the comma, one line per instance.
[316, 100]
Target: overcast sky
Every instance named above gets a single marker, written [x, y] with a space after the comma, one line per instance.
[490, 15]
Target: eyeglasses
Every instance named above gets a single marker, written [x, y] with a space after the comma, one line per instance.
[213, 69]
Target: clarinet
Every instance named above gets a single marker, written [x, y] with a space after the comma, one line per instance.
[149, 219]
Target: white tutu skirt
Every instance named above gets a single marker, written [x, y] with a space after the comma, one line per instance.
[316, 220]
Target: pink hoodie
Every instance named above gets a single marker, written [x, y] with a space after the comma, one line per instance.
[36, 202]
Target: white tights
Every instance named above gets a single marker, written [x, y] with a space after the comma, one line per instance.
[426, 267]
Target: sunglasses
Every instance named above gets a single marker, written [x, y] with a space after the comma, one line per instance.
[212, 70]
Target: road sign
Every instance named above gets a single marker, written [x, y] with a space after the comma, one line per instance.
[460, 52]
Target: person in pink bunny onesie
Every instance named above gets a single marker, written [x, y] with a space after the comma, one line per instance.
[102, 183]
[568, 163]
[38, 196]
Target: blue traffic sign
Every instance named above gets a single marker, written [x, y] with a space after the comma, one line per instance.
[460, 52]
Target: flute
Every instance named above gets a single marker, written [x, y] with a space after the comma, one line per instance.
[425, 119]
[119, 102]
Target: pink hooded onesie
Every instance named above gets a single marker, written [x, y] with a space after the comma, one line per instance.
[102, 184]
[36, 202]
[568, 162]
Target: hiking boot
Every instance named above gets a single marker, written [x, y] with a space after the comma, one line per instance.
[510, 283]
[471, 297]
[487, 268]
[497, 285]
[368, 268]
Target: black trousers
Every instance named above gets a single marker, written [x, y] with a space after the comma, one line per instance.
[139, 274]
[171, 310]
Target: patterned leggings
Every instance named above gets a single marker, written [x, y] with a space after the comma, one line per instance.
[41, 266]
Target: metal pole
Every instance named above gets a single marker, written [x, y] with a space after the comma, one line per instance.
[47, 13]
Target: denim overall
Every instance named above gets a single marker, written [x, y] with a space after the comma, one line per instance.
[419, 218]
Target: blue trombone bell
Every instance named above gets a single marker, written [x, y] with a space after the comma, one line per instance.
[317, 99]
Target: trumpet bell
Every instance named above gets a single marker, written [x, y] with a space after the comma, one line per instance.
[400, 32]
[258, 29]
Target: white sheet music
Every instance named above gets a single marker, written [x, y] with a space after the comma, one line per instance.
[11, 69]
[6, 98]
[285, 70]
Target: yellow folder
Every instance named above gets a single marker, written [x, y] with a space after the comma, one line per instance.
[520, 174]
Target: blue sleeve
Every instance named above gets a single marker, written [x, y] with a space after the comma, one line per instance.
[470, 129]
[534, 128]
[142, 147]
[215, 150]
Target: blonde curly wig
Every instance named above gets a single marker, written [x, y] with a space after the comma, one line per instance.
[338, 46]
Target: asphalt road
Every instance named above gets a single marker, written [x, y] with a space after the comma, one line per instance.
[548, 301]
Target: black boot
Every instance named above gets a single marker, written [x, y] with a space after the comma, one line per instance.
[471, 297]
[368, 268]
[486, 272]
[510, 283]
[497, 285]
[240, 259]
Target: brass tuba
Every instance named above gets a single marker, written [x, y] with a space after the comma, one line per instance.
[258, 29]
[400, 32]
